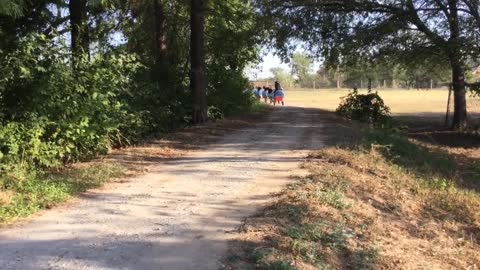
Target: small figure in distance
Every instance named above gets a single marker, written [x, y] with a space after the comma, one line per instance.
[258, 93]
[278, 94]
[270, 95]
[265, 93]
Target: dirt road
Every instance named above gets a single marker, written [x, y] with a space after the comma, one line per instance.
[179, 215]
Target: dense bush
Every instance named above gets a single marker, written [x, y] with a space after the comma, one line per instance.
[226, 92]
[53, 111]
[368, 108]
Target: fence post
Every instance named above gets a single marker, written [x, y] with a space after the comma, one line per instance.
[448, 105]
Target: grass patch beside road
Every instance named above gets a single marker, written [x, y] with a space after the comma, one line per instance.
[373, 200]
[22, 193]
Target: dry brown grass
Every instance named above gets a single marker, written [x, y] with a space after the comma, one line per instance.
[417, 109]
[5, 197]
[377, 202]
[413, 224]
[422, 105]
[401, 102]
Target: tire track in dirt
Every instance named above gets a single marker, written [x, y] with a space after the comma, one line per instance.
[179, 215]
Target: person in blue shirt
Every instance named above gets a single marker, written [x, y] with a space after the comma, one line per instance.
[265, 93]
[258, 93]
[270, 95]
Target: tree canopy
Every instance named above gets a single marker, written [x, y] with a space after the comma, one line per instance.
[347, 31]
[81, 76]
[301, 65]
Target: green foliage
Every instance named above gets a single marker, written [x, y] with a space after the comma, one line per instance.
[301, 65]
[474, 89]
[259, 254]
[23, 144]
[282, 76]
[226, 94]
[365, 259]
[398, 149]
[334, 198]
[281, 265]
[368, 108]
[439, 184]
[34, 190]
[362, 29]
[231, 46]
[52, 111]
[12, 8]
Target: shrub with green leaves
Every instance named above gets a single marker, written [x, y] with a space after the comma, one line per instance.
[226, 92]
[52, 111]
[369, 108]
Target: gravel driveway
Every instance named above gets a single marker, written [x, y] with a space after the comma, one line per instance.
[178, 216]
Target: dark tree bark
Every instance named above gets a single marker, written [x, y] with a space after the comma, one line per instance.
[160, 32]
[458, 73]
[79, 32]
[160, 72]
[198, 78]
[459, 95]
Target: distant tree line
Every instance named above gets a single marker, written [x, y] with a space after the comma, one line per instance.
[368, 74]
[412, 33]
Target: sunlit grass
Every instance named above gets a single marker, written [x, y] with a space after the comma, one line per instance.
[24, 192]
[402, 102]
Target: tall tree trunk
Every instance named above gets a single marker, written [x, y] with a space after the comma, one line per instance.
[459, 96]
[198, 78]
[160, 72]
[458, 73]
[160, 32]
[79, 33]
[339, 79]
